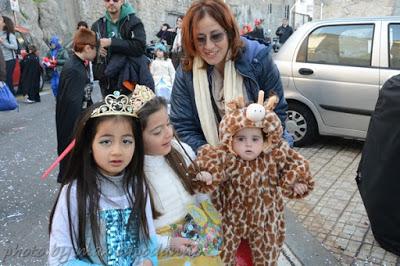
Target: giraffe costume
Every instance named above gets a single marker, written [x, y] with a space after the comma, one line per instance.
[249, 194]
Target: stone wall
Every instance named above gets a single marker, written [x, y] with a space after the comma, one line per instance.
[48, 17]
[353, 8]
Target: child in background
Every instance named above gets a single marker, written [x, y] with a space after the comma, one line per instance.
[54, 60]
[163, 72]
[248, 173]
[31, 71]
[102, 214]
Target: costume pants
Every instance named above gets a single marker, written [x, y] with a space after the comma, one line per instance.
[55, 78]
[10, 65]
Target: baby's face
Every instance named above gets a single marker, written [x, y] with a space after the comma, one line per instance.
[248, 143]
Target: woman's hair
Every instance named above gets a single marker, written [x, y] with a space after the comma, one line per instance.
[174, 158]
[219, 11]
[9, 25]
[82, 24]
[83, 37]
[83, 171]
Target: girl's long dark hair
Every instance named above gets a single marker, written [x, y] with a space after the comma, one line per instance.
[83, 169]
[8, 25]
[174, 158]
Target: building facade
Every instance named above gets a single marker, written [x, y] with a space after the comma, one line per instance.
[54, 17]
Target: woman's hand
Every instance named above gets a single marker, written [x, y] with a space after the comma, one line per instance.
[205, 177]
[300, 188]
[183, 246]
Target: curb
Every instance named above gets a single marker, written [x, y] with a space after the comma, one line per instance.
[306, 249]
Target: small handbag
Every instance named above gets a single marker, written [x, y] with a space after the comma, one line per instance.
[203, 225]
[7, 99]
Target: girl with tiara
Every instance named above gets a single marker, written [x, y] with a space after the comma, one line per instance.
[102, 214]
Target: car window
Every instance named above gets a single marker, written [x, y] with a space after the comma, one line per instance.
[394, 45]
[349, 45]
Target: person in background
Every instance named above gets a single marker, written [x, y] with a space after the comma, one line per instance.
[9, 46]
[166, 35]
[163, 72]
[284, 31]
[31, 71]
[120, 32]
[177, 49]
[56, 57]
[74, 91]
[258, 31]
[82, 24]
[3, 71]
[246, 29]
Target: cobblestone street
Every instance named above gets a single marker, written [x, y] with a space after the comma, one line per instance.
[334, 213]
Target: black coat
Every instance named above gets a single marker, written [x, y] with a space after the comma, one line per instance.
[31, 71]
[167, 36]
[378, 176]
[133, 69]
[257, 33]
[69, 102]
[284, 33]
[133, 43]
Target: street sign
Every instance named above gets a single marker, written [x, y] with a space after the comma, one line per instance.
[14, 5]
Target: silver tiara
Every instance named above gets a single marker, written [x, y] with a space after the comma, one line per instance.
[114, 104]
[140, 96]
[119, 104]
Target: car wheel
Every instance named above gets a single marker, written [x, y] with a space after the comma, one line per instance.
[301, 124]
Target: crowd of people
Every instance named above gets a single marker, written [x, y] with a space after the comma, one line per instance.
[186, 159]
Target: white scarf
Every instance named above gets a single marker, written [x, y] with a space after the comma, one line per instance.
[233, 88]
[177, 45]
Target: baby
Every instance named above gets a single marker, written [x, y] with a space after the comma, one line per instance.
[248, 174]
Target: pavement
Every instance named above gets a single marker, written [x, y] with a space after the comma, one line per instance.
[329, 227]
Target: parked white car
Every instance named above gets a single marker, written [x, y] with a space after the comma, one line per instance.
[332, 71]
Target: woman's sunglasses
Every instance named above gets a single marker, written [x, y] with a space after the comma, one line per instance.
[115, 1]
[215, 37]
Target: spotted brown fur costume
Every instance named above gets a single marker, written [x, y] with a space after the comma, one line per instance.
[248, 194]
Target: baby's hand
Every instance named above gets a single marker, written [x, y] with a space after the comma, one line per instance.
[300, 188]
[205, 177]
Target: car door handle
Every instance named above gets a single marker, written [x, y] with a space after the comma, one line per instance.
[306, 71]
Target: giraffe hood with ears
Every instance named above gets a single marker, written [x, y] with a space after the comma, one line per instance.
[258, 115]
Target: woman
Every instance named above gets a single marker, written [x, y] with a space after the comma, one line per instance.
[9, 45]
[177, 51]
[219, 66]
